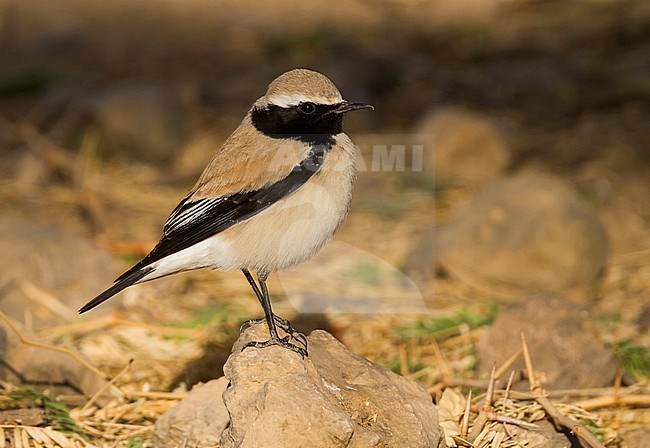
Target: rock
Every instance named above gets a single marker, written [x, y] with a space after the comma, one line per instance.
[643, 319]
[142, 121]
[462, 147]
[63, 373]
[196, 421]
[48, 271]
[561, 343]
[421, 262]
[210, 364]
[26, 417]
[524, 234]
[637, 438]
[332, 398]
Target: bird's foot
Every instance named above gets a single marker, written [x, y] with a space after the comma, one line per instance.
[281, 323]
[282, 342]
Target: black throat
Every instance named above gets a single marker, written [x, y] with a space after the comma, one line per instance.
[318, 127]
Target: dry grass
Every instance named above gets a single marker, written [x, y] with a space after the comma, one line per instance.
[139, 399]
[162, 326]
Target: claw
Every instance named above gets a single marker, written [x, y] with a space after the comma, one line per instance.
[282, 342]
[299, 337]
[281, 323]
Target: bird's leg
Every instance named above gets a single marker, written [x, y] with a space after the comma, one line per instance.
[270, 320]
[266, 304]
[284, 324]
[280, 322]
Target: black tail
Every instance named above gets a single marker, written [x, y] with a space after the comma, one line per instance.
[120, 284]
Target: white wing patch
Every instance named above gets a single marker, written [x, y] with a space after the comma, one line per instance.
[186, 215]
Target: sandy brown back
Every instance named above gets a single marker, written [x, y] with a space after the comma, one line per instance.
[247, 161]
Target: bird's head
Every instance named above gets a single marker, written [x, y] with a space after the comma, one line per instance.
[302, 102]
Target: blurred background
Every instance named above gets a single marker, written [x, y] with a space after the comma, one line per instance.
[531, 205]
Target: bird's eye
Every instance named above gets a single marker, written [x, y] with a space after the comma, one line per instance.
[307, 108]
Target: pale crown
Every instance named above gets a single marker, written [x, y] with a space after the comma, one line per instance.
[301, 86]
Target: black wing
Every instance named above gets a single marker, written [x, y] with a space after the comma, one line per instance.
[196, 220]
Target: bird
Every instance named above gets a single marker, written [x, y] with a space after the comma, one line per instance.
[270, 198]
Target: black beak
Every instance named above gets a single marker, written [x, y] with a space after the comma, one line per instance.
[347, 107]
